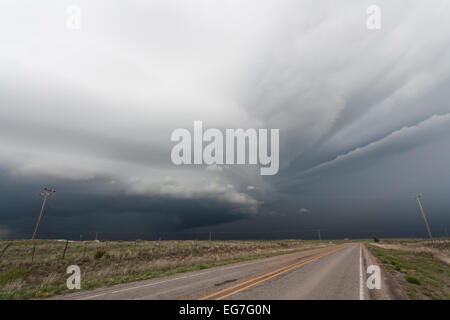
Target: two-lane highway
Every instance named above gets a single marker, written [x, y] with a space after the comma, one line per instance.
[334, 272]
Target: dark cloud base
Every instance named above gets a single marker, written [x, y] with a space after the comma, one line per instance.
[75, 209]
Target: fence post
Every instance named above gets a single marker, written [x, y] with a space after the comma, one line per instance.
[4, 249]
[65, 248]
[85, 248]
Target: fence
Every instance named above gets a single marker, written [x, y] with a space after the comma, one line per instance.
[305, 233]
[31, 251]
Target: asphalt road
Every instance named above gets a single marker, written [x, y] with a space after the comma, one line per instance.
[335, 272]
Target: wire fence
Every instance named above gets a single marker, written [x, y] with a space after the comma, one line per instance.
[202, 235]
[41, 250]
[305, 234]
[15, 252]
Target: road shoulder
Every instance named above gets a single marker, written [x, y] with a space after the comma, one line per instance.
[390, 287]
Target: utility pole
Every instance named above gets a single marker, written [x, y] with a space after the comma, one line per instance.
[320, 238]
[210, 236]
[423, 214]
[47, 192]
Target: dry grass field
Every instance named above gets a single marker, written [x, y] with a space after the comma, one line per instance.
[421, 267]
[26, 276]
[440, 248]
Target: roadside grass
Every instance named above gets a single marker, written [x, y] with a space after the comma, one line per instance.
[423, 275]
[109, 263]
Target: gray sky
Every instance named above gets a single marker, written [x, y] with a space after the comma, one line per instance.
[364, 115]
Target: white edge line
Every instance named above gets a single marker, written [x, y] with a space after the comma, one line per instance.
[361, 280]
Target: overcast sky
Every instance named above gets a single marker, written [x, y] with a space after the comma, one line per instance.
[364, 116]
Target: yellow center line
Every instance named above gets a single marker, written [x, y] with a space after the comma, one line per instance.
[275, 275]
[266, 276]
[245, 282]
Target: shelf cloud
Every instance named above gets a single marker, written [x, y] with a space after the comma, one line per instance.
[91, 112]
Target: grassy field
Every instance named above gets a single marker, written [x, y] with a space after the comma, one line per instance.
[420, 267]
[24, 276]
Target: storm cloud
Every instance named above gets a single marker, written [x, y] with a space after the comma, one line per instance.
[364, 115]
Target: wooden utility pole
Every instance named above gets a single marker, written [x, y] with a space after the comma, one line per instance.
[47, 192]
[423, 214]
[39, 219]
[32, 252]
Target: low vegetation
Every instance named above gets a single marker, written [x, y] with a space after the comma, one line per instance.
[38, 270]
[420, 271]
